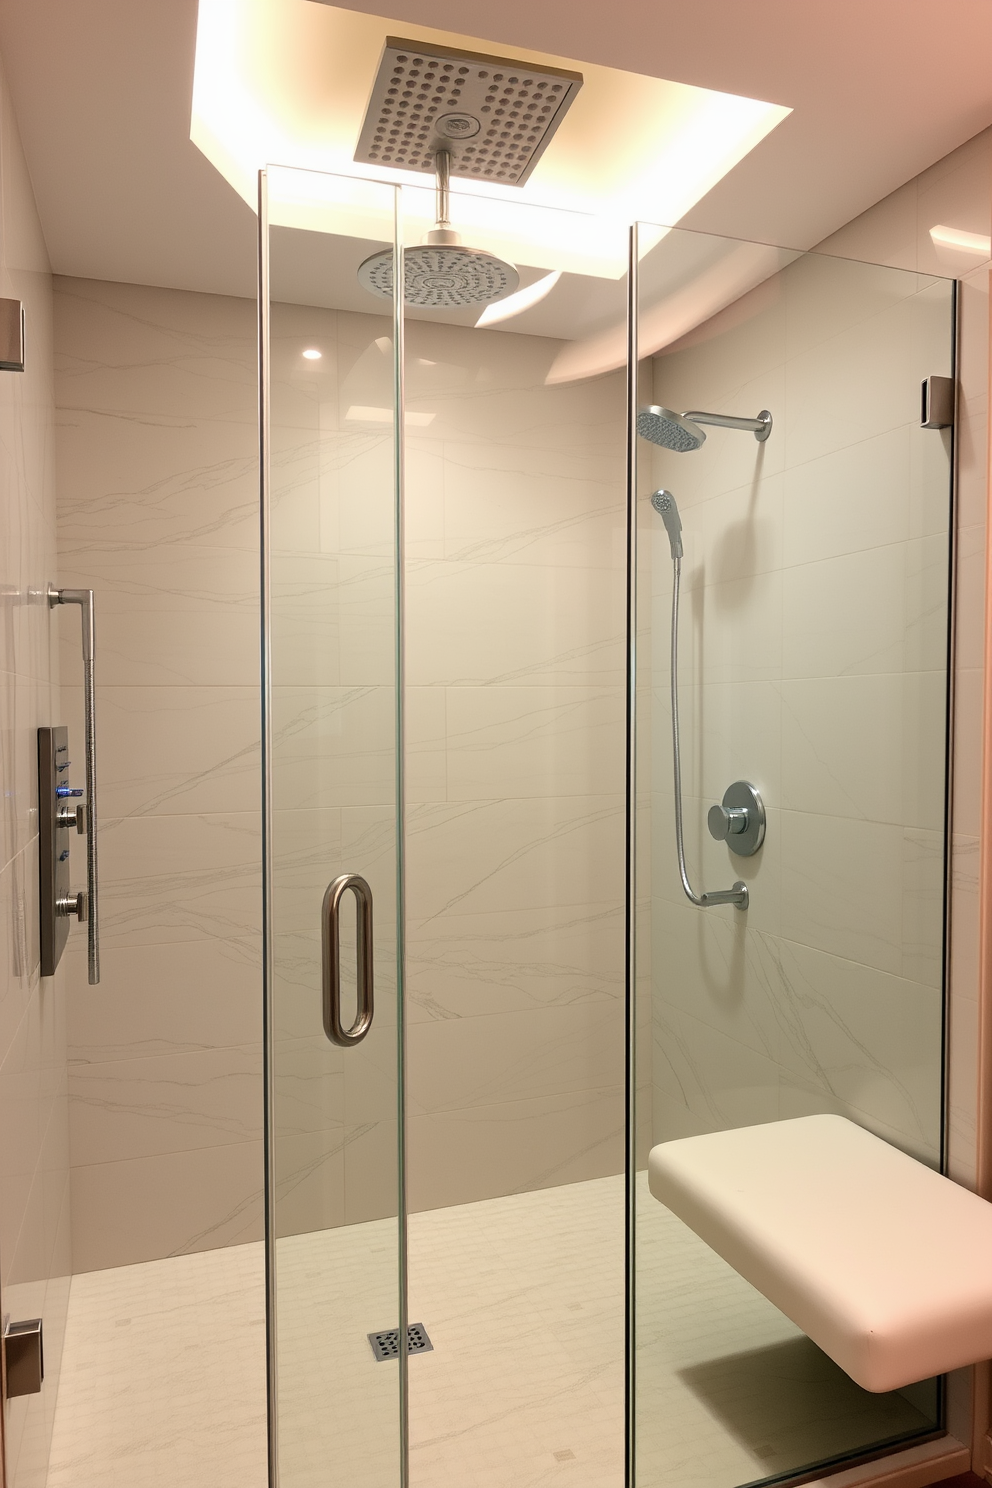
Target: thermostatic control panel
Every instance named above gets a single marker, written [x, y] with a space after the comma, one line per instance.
[59, 816]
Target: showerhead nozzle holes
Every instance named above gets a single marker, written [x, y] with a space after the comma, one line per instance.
[672, 431]
[666, 506]
[442, 274]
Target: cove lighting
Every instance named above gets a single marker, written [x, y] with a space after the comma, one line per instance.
[312, 354]
[515, 304]
[287, 81]
[966, 242]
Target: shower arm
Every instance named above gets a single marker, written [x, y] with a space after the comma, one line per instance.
[738, 895]
[760, 427]
[442, 167]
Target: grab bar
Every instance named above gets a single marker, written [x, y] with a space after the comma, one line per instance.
[84, 598]
[330, 937]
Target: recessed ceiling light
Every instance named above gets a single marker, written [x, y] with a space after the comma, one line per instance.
[312, 354]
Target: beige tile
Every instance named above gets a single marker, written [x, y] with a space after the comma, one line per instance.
[483, 1061]
[171, 615]
[134, 1108]
[141, 349]
[173, 878]
[533, 741]
[126, 1212]
[870, 747]
[178, 749]
[882, 610]
[153, 1003]
[463, 1156]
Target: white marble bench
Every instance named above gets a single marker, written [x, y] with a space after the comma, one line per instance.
[885, 1265]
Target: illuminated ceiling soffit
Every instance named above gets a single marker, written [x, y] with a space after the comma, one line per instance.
[288, 81]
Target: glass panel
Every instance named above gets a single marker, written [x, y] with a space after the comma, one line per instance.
[812, 662]
[333, 770]
[515, 447]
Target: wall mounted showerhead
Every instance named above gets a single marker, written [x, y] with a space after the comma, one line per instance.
[665, 505]
[681, 431]
[442, 273]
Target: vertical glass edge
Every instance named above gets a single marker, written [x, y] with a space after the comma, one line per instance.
[265, 683]
[630, 887]
[399, 508]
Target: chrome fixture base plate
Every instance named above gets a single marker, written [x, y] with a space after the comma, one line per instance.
[743, 794]
[762, 434]
[493, 115]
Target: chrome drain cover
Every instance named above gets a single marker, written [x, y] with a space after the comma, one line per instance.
[386, 1345]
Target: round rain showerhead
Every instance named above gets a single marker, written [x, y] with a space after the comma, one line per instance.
[442, 273]
[671, 430]
[442, 276]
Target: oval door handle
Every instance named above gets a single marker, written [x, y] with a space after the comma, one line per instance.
[330, 936]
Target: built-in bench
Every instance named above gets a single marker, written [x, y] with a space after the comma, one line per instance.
[885, 1265]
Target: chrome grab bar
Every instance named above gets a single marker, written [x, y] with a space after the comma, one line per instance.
[84, 598]
[330, 937]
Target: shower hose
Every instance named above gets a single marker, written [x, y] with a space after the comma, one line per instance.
[738, 894]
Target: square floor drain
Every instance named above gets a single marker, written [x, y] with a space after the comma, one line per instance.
[387, 1345]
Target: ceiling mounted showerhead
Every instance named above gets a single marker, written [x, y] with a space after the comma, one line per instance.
[681, 431]
[443, 273]
[495, 115]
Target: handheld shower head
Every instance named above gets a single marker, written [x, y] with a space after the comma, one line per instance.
[665, 505]
[681, 431]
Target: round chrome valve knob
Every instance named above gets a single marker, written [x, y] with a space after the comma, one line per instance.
[739, 820]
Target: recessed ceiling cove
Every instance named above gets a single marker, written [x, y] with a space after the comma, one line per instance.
[288, 82]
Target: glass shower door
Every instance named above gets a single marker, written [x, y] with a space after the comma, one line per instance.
[333, 838]
[812, 664]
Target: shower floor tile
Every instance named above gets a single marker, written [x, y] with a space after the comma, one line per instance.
[163, 1374]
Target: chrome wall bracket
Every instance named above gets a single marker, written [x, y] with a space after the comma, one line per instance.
[937, 403]
[24, 1357]
[739, 820]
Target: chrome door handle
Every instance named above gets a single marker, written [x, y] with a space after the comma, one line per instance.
[330, 938]
[84, 599]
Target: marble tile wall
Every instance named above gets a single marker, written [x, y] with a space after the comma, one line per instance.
[35, 1262]
[158, 514]
[515, 657]
[515, 727]
[813, 655]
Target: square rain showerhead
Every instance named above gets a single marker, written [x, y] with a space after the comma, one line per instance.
[493, 115]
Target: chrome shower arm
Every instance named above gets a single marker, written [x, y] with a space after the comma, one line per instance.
[738, 895]
[760, 427]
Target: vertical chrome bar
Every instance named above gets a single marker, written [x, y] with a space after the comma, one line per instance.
[442, 166]
[330, 978]
[87, 609]
[265, 639]
[399, 542]
[630, 989]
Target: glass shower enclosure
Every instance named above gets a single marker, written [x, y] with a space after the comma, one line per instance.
[487, 994]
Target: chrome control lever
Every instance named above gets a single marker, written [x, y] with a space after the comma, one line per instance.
[739, 820]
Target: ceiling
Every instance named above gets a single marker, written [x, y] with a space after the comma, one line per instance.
[878, 91]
